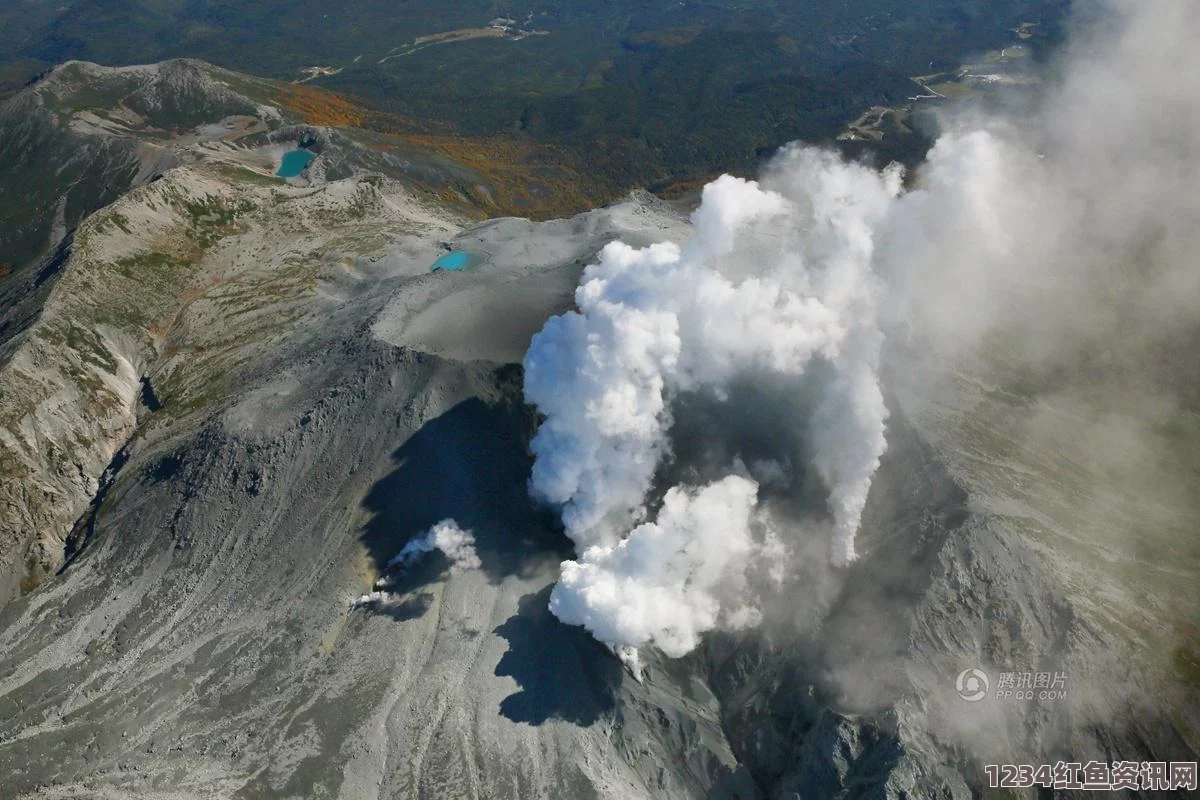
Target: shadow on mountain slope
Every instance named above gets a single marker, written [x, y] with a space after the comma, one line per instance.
[562, 671]
[470, 464]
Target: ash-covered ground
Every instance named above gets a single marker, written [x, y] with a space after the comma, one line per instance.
[202, 642]
[945, 423]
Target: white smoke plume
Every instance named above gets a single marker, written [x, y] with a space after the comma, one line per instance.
[456, 544]
[1069, 231]
[774, 279]
[661, 583]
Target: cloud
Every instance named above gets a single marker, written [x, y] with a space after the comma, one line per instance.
[661, 585]
[1055, 239]
[773, 281]
[1072, 227]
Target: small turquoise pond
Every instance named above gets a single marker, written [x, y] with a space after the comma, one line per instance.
[294, 163]
[459, 259]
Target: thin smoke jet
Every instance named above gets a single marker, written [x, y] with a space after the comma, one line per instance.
[456, 544]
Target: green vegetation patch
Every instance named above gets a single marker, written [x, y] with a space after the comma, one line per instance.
[235, 173]
[1187, 664]
[83, 341]
[624, 93]
[213, 218]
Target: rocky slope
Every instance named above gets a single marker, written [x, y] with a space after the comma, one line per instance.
[74, 357]
[76, 141]
[82, 135]
[242, 396]
[305, 300]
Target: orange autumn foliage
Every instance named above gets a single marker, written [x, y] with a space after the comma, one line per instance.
[320, 107]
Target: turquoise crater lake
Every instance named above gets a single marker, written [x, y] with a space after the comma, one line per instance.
[458, 260]
[294, 163]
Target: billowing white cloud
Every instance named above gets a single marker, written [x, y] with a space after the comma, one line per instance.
[772, 280]
[1057, 236]
[661, 585]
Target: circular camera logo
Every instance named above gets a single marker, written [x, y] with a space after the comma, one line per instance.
[972, 684]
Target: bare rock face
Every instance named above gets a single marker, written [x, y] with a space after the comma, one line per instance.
[295, 440]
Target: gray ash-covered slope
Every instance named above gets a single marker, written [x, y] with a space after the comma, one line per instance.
[201, 643]
[181, 155]
[285, 395]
